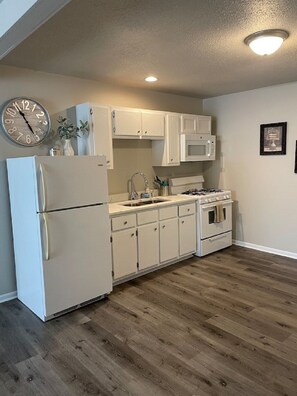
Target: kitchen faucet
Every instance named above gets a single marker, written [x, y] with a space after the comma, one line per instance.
[133, 194]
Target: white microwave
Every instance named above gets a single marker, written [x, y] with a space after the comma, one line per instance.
[197, 147]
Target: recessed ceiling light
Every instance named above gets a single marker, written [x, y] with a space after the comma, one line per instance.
[151, 79]
[266, 42]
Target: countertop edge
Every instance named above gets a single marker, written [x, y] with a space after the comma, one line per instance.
[117, 208]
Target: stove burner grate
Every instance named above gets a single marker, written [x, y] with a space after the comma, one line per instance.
[202, 191]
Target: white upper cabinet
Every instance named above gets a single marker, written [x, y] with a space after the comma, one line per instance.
[153, 123]
[191, 123]
[126, 122]
[167, 152]
[204, 124]
[100, 136]
[98, 141]
[133, 123]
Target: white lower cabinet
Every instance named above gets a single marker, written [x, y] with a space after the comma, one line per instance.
[187, 235]
[124, 253]
[148, 245]
[187, 229]
[124, 245]
[148, 238]
[168, 239]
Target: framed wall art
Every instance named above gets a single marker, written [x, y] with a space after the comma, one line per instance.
[273, 138]
[295, 170]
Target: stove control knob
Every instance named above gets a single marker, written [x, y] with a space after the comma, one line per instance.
[217, 198]
[227, 196]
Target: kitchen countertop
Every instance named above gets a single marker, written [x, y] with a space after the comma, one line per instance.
[118, 208]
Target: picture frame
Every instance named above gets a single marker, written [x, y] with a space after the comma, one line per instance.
[295, 170]
[273, 138]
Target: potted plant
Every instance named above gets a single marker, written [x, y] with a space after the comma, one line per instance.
[67, 131]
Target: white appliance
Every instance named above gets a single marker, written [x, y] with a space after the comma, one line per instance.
[195, 147]
[61, 231]
[214, 213]
[212, 233]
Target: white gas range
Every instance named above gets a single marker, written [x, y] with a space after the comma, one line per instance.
[214, 213]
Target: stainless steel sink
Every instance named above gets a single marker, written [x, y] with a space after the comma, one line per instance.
[147, 202]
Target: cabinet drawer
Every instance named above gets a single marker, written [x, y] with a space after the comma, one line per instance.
[184, 210]
[146, 217]
[122, 222]
[168, 212]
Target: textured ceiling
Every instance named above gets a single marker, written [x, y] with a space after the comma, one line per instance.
[195, 47]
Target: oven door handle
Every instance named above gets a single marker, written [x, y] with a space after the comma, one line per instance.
[215, 238]
[213, 204]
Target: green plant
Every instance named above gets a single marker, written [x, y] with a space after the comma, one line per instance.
[67, 130]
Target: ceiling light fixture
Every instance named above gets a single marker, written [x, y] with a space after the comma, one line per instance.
[151, 79]
[266, 42]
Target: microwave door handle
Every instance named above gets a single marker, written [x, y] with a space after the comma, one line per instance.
[209, 148]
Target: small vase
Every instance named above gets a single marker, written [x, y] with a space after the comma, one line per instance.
[67, 148]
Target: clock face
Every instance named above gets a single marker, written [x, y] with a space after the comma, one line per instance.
[25, 121]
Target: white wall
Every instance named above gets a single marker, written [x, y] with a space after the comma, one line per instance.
[11, 11]
[264, 187]
[57, 93]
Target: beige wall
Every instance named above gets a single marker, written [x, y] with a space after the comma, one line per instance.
[57, 93]
[264, 187]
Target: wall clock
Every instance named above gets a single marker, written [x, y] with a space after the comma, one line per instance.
[25, 121]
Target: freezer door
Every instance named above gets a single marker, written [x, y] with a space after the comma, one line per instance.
[68, 182]
[76, 256]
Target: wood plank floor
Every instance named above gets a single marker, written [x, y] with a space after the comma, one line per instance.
[225, 324]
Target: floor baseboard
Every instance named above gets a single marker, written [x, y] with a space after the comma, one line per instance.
[8, 296]
[265, 249]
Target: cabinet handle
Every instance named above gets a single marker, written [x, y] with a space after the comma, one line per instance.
[171, 159]
[188, 210]
[156, 229]
[163, 226]
[107, 162]
[145, 132]
[125, 222]
[132, 235]
[183, 222]
[138, 131]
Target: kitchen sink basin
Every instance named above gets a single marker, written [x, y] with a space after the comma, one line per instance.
[148, 202]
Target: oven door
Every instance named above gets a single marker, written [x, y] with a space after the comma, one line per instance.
[210, 224]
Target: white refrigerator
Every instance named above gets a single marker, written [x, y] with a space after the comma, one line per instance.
[61, 231]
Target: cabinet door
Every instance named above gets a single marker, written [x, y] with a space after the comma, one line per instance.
[172, 138]
[126, 122]
[189, 123]
[168, 239]
[101, 131]
[187, 234]
[148, 245]
[204, 125]
[124, 253]
[153, 124]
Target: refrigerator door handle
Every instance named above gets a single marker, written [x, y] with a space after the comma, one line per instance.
[47, 245]
[43, 188]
